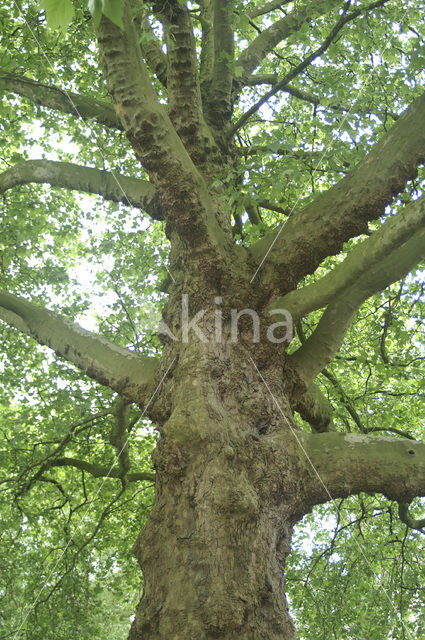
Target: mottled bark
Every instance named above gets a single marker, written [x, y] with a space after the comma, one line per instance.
[181, 188]
[350, 463]
[184, 92]
[226, 498]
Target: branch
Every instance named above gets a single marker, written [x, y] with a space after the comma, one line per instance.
[314, 407]
[116, 187]
[342, 212]
[406, 518]
[126, 372]
[399, 432]
[183, 192]
[151, 50]
[184, 93]
[266, 8]
[61, 100]
[118, 436]
[308, 157]
[264, 43]
[321, 347]
[272, 206]
[74, 429]
[364, 257]
[348, 464]
[345, 401]
[282, 84]
[323, 101]
[261, 78]
[219, 104]
[207, 57]
[96, 470]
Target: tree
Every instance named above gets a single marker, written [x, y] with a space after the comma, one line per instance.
[276, 149]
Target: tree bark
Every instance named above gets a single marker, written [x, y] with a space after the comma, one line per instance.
[226, 499]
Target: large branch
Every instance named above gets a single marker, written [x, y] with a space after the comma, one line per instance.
[342, 212]
[365, 256]
[219, 105]
[61, 100]
[207, 57]
[327, 338]
[264, 43]
[182, 190]
[345, 464]
[314, 407]
[115, 187]
[128, 373]
[153, 54]
[184, 93]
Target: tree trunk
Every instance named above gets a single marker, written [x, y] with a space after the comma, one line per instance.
[214, 548]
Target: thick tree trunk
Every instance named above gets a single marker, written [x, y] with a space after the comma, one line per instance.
[214, 549]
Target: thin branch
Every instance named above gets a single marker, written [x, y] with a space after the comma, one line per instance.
[115, 187]
[345, 18]
[207, 57]
[87, 541]
[337, 106]
[73, 430]
[345, 401]
[319, 101]
[264, 43]
[398, 432]
[118, 436]
[219, 104]
[96, 470]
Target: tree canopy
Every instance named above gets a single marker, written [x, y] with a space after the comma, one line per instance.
[322, 187]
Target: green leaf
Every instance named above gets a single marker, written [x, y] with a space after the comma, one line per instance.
[59, 13]
[95, 8]
[112, 9]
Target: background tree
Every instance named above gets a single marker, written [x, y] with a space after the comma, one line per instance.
[245, 155]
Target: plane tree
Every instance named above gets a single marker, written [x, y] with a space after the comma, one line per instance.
[241, 293]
